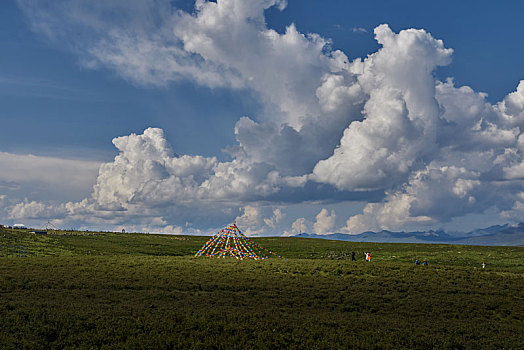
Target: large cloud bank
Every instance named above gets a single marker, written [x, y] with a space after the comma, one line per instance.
[330, 125]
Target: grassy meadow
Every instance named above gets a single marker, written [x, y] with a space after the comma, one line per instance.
[112, 290]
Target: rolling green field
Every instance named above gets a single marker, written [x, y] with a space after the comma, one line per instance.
[108, 290]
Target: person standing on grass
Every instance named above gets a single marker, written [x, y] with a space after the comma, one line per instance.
[368, 257]
[353, 256]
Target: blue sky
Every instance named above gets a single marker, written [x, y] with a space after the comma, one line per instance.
[75, 75]
[45, 93]
[484, 34]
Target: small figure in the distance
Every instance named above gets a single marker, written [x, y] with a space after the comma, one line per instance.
[353, 256]
[483, 265]
[368, 257]
[425, 263]
[416, 262]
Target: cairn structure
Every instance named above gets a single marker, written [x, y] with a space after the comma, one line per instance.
[232, 242]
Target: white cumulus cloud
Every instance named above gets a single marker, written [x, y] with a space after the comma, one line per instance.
[325, 222]
[383, 123]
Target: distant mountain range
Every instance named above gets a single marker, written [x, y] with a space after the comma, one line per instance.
[504, 235]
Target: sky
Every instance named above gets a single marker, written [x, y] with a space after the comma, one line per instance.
[284, 116]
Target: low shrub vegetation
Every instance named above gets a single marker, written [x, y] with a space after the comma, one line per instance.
[76, 289]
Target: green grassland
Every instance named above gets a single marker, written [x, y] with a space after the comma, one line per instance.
[108, 290]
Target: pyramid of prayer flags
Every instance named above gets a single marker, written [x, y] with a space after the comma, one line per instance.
[232, 242]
